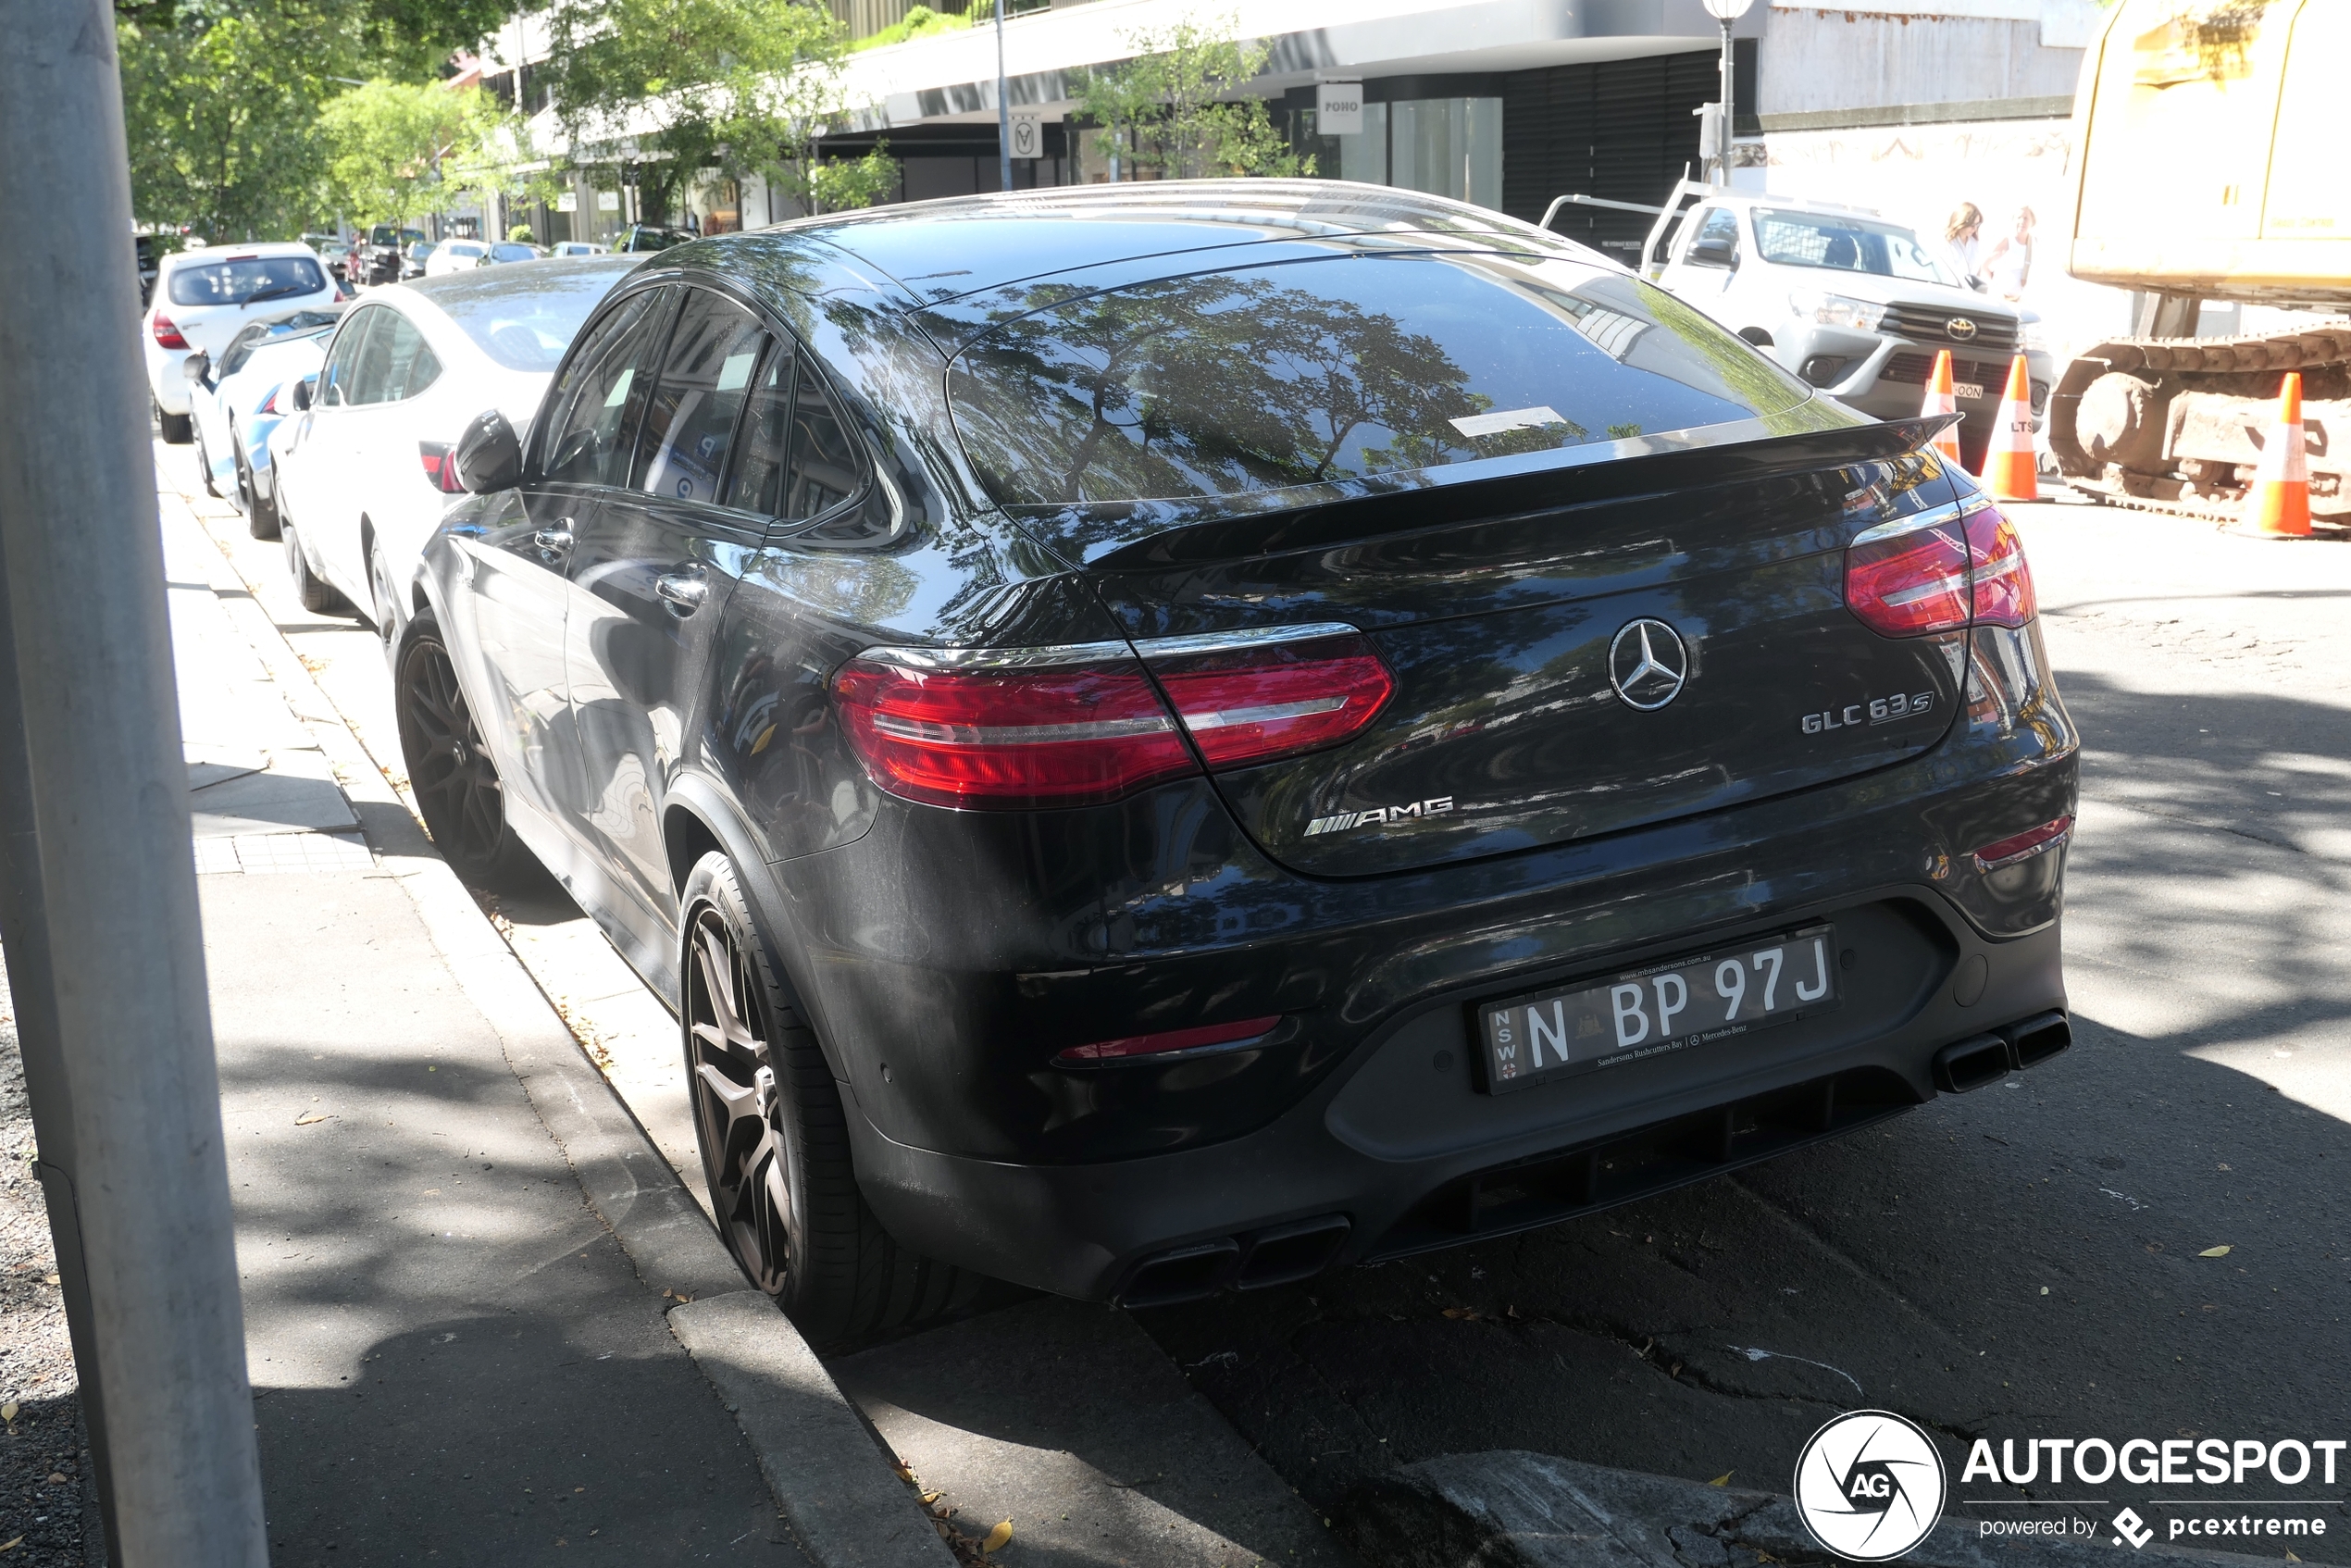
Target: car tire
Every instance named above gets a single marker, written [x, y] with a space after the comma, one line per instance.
[315, 592]
[387, 601]
[261, 516]
[449, 772]
[774, 1137]
[204, 461]
[177, 429]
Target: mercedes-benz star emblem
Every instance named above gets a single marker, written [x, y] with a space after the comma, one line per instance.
[1960, 327]
[1648, 663]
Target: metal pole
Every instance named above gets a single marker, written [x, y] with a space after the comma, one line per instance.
[1004, 108]
[107, 933]
[1722, 145]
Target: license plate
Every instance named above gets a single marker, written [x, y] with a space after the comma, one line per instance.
[1645, 1013]
[1967, 390]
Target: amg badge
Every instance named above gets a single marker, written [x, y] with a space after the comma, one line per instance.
[1345, 821]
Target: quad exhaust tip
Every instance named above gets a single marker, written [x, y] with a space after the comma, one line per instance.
[1987, 1058]
[1276, 1256]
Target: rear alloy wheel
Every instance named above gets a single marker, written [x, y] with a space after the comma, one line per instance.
[313, 591]
[456, 784]
[775, 1140]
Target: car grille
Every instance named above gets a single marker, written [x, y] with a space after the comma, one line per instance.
[1918, 367]
[1994, 334]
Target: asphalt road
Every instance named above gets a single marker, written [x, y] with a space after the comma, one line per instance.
[2020, 1263]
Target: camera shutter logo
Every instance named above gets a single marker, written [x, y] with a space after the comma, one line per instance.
[1870, 1486]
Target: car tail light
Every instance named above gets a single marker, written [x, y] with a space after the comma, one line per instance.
[440, 464]
[2003, 582]
[2025, 845]
[1250, 697]
[1007, 728]
[1939, 572]
[166, 333]
[1127, 1047]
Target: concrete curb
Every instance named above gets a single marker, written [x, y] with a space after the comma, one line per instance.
[1515, 1510]
[834, 1484]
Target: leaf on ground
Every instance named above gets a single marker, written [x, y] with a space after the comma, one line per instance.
[2290, 1557]
[998, 1537]
[309, 1119]
[8, 1410]
[1724, 1479]
[57, 1477]
[2221, 1251]
[52, 1279]
[906, 1471]
[1469, 1314]
[13, 1545]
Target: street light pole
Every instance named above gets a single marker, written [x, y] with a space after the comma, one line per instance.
[1003, 109]
[1726, 12]
[97, 886]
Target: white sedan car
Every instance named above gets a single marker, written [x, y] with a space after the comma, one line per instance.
[456, 256]
[203, 298]
[363, 473]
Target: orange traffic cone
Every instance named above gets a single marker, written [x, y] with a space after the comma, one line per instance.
[1940, 399]
[2279, 506]
[2009, 466]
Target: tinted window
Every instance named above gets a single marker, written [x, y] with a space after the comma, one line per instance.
[689, 421]
[1840, 243]
[242, 282]
[409, 365]
[524, 323]
[335, 380]
[1260, 378]
[798, 458]
[603, 392]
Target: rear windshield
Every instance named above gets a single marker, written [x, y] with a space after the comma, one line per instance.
[523, 320]
[243, 282]
[1259, 379]
[512, 252]
[1846, 244]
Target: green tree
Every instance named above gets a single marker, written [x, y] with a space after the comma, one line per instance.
[691, 86]
[394, 149]
[221, 97]
[1172, 109]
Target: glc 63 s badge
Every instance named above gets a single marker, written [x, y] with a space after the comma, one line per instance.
[1876, 710]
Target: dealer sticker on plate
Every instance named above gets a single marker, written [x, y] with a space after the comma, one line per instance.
[1687, 1001]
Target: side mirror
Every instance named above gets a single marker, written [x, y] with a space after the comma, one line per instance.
[304, 390]
[488, 455]
[1713, 252]
[197, 365]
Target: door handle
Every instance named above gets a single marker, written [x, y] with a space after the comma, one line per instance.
[685, 588]
[554, 540]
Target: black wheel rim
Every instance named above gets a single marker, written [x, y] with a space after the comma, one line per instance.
[456, 784]
[737, 1110]
[244, 475]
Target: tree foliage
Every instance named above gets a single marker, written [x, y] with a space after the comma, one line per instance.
[1172, 110]
[221, 98]
[396, 151]
[684, 86]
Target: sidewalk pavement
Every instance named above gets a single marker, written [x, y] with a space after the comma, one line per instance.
[485, 1322]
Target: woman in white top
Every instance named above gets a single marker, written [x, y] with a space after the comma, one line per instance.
[1964, 234]
[2010, 263]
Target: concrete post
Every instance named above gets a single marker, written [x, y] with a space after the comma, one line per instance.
[120, 1030]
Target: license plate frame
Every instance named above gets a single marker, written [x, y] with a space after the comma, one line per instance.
[1583, 1026]
[1969, 391]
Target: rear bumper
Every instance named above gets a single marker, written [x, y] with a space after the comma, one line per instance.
[1402, 1156]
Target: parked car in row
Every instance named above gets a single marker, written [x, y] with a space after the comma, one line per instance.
[413, 260]
[236, 401]
[361, 476]
[1198, 748]
[576, 247]
[204, 297]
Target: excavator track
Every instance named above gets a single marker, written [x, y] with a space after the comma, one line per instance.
[2123, 459]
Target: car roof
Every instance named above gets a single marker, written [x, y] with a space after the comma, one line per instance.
[515, 277]
[944, 249]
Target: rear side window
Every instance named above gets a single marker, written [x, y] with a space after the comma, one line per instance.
[246, 281]
[603, 393]
[1258, 379]
[395, 362]
[337, 378]
[689, 421]
[799, 457]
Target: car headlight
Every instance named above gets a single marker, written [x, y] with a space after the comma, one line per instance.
[1836, 310]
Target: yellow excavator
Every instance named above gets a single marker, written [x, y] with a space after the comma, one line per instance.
[2212, 161]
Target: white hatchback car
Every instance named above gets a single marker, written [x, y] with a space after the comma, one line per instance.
[362, 473]
[456, 256]
[203, 298]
